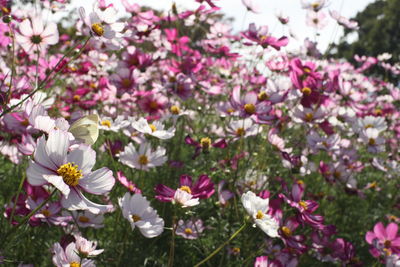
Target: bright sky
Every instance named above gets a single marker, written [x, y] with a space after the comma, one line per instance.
[291, 8]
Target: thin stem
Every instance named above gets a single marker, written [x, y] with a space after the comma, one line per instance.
[12, 62]
[172, 247]
[17, 196]
[27, 217]
[223, 245]
[43, 83]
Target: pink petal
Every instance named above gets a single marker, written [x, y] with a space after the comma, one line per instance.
[50, 34]
[391, 231]
[37, 25]
[35, 174]
[369, 237]
[25, 28]
[380, 231]
[57, 146]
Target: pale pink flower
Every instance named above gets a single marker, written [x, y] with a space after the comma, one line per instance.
[34, 34]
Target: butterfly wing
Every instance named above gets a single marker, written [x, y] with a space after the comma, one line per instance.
[86, 129]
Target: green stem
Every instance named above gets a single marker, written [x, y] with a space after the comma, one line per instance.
[222, 246]
[21, 183]
[27, 217]
[172, 247]
[44, 82]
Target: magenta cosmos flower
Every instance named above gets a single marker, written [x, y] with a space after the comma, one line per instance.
[69, 171]
[33, 33]
[203, 188]
[384, 240]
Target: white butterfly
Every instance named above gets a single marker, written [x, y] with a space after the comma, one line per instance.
[86, 129]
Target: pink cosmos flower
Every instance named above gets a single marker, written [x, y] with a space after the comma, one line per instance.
[203, 188]
[69, 171]
[384, 241]
[262, 37]
[34, 34]
[69, 256]
[345, 22]
[316, 20]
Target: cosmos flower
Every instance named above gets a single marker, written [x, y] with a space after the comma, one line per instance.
[137, 210]
[155, 129]
[34, 35]
[145, 158]
[69, 256]
[191, 229]
[257, 208]
[69, 171]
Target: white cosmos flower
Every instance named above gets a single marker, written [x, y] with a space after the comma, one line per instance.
[103, 23]
[86, 247]
[185, 199]
[155, 129]
[145, 158]
[257, 208]
[69, 171]
[69, 256]
[242, 128]
[137, 210]
[108, 124]
[377, 123]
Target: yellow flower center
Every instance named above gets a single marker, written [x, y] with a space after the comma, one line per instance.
[306, 90]
[373, 185]
[98, 29]
[378, 111]
[188, 231]
[262, 96]
[337, 174]
[371, 141]
[106, 123]
[236, 250]
[306, 69]
[315, 5]
[126, 82]
[175, 110]
[250, 108]
[303, 204]
[46, 213]
[143, 160]
[76, 98]
[300, 182]
[308, 117]
[153, 127]
[240, 132]
[368, 126]
[75, 264]
[230, 110]
[25, 122]
[186, 189]
[153, 105]
[259, 215]
[83, 219]
[136, 218]
[70, 174]
[205, 142]
[286, 231]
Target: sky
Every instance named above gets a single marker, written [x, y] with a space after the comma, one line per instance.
[269, 9]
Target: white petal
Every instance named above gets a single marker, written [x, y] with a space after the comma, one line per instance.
[25, 28]
[77, 201]
[98, 182]
[84, 157]
[57, 146]
[58, 182]
[35, 174]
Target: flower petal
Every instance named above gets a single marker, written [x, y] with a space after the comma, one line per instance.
[98, 182]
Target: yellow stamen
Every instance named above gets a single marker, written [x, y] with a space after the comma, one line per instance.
[306, 90]
[368, 126]
[259, 215]
[205, 142]
[188, 231]
[235, 250]
[83, 219]
[126, 82]
[76, 98]
[371, 141]
[25, 122]
[106, 123]
[75, 264]
[240, 132]
[286, 231]
[143, 160]
[175, 110]
[308, 117]
[186, 189]
[262, 96]
[250, 108]
[98, 29]
[303, 204]
[70, 174]
[136, 218]
[153, 128]
[46, 213]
